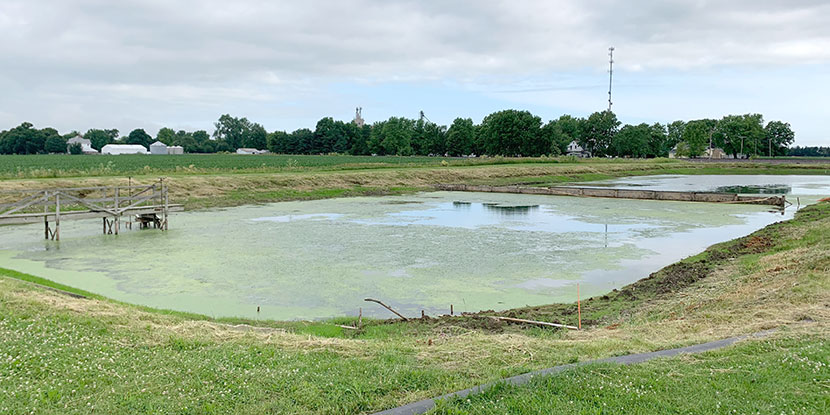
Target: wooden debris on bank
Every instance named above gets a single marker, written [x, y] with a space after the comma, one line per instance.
[387, 307]
[538, 323]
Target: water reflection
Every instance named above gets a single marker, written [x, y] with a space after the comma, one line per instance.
[776, 189]
[509, 210]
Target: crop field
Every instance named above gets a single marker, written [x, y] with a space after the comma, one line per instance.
[64, 165]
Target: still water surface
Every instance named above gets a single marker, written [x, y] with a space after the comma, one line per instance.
[317, 259]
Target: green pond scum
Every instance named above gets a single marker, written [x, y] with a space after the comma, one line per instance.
[426, 251]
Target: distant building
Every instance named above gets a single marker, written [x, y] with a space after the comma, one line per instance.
[358, 117]
[175, 150]
[86, 145]
[715, 153]
[124, 149]
[574, 149]
[158, 148]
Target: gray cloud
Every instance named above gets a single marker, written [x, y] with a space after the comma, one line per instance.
[206, 53]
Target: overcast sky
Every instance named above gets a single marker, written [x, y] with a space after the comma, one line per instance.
[75, 65]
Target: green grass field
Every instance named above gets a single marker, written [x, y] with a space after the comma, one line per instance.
[776, 376]
[63, 165]
[60, 354]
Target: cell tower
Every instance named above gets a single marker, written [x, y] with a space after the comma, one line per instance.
[610, 74]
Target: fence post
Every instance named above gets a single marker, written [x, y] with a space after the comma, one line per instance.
[57, 234]
[117, 213]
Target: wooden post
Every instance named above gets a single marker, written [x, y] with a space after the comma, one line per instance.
[360, 317]
[56, 235]
[45, 216]
[117, 213]
[166, 203]
[578, 308]
[422, 314]
[451, 309]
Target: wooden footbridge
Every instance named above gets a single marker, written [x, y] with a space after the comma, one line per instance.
[147, 205]
[710, 197]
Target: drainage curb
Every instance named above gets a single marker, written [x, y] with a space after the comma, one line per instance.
[425, 405]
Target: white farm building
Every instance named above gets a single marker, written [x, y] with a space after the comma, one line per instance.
[124, 149]
[86, 145]
[574, 149]
[158, 148]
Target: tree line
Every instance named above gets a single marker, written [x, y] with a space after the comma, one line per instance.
[505, 133]
[809, 152]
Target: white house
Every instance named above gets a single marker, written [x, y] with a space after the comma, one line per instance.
[124, 149]
[175, 150]
[86, 145]
[158, 148]
[574, 149]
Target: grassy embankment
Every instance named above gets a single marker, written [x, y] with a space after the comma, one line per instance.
[60, 354]
[231, 180]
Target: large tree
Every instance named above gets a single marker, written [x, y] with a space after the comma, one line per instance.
[233, 131]
[332, 136]
[658, 141]
[255, 137]
[278, 142]
[139, 136]
[513, 133]
[23, 139]
[632, 141]
[300, 141]
[740, 134]
[460, 137]
[697, 134]
[166, 135]
[429, 138]
[99, 138]
[54, 142]
[779, 136]
[571, 129]
[396, 136]
[598, 132]
[360, 144]
[674, 134]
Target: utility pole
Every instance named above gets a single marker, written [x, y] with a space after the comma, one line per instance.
[610, 74]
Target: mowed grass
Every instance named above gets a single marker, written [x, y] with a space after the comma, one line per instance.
[60, 354]
[220, 180]
[777, 376]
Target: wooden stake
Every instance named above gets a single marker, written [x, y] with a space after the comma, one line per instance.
[423, 314]
[387, 307]
[538, 323]
[360, 317]
[346, 327]
[451, 309]
[56, 235]
[578, 308]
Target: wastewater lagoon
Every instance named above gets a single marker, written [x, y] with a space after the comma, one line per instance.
[319, 259]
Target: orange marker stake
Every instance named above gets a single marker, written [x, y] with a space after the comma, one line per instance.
[578, 308]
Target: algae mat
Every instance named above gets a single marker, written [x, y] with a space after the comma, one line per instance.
[317, 259]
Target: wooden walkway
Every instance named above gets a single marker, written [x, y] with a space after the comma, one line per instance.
[710, 197]
[149, 206]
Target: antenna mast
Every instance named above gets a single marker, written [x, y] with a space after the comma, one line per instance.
[610, 74]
